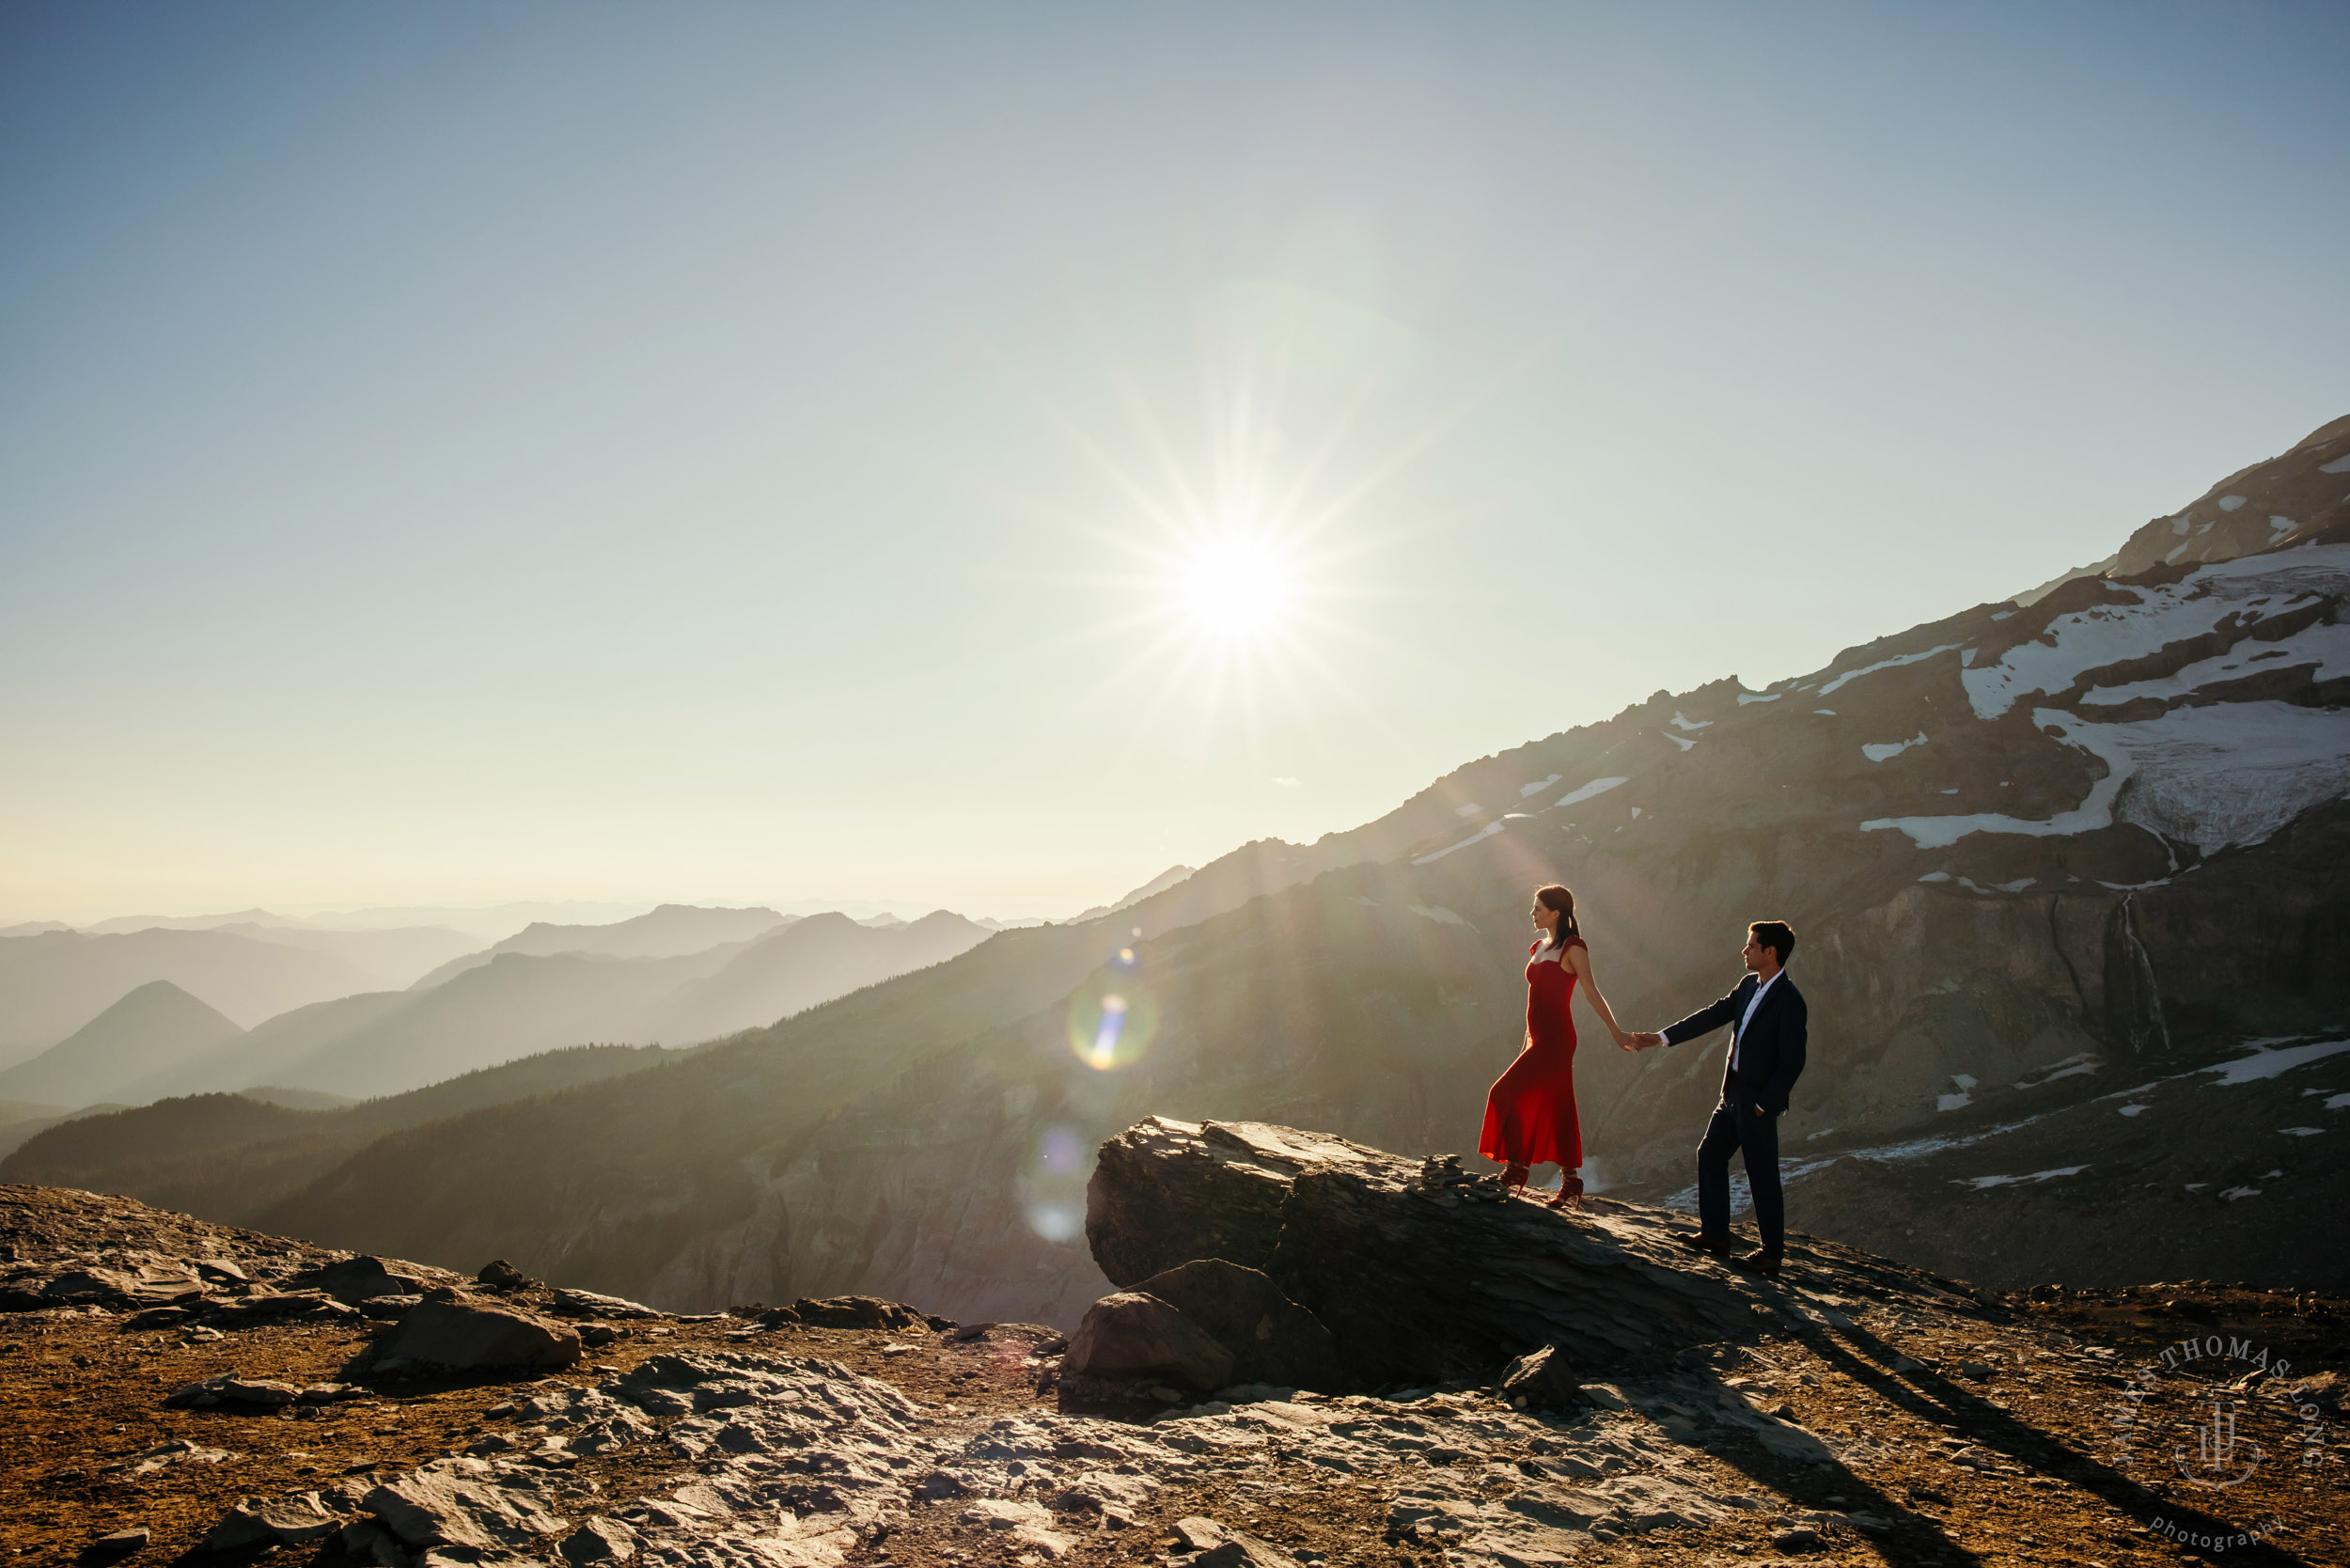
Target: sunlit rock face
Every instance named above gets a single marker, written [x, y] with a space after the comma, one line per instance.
[2036, 856]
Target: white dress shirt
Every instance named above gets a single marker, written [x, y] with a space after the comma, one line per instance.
[1754, 1001]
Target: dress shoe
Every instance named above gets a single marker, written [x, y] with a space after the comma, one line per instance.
[1722, 1246]
[1757, 1261]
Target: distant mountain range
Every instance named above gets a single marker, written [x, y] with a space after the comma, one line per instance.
[53, 982]
[150, 1030]
[671, 930]
[678, 973]
[2072, 885]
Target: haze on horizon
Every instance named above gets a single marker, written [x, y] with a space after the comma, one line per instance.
[455, 455]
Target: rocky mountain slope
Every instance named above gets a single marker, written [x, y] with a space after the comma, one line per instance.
[2038, 857]
[179, 1390]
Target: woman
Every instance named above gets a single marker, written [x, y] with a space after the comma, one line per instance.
[1529, 1114]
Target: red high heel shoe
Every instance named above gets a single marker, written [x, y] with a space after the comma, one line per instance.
[1570, 1192]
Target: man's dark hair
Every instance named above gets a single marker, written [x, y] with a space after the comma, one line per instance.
[1778, 935]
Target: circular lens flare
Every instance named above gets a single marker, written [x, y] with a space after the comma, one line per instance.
[1110, 1030]
[1235, 589]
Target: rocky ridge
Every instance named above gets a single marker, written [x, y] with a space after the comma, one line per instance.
[1851, 1406]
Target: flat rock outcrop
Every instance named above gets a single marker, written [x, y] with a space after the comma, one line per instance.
[463, 1334]
[1414, 1277]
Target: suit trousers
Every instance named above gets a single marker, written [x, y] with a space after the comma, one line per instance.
[1756, 1137]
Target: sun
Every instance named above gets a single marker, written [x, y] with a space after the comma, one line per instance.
[1235, 589]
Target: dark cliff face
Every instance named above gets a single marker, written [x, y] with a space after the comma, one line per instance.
[2034, 857]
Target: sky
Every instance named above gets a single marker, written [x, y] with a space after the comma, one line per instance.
[978, 457]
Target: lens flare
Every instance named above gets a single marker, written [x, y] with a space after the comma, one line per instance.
[1060, 1151]
[1109, 1028]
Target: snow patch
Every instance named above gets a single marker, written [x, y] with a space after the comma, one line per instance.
[2210, 776]
[2234, 1193]
[1537, 787]
[1636, 813]
[2073, 645]
[1677, 740]
[1829, 712]
[2266, 1063]
[1885, 750]
[2281, 525]
[1482, 833]
[2339, 1102]
[2230, 502]
[2340, 465]
[2325, 644]
[1935, 876]
[2179, 526]
[2302, 1132]
[1952, 1102]
[1437, 912]
[1469, 810]
[2133, 1110]
[1894, 662]
[1596, 786]
[2016, 887]
[1744, 698]
[1688, 725]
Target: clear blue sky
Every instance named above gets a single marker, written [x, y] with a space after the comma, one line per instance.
[456, 452]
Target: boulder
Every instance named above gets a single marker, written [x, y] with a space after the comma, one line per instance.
[358, 1279]
[503, 1275]
[332, 1393]
[465, 1334]
[156, 1317]
[229, 1390]
[274, 1522]
[275, 1306]
[443, 1505]
[117, 1544]
[147, 1285]
[588, 1304]
[1273, 1339]
[1131, 1337]
[1545, 1379]
[1211, 1190]
[600, 1541]
[855, 1311]
[1414, 1282]
[1222, 1547]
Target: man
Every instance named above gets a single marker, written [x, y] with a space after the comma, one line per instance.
[1769, 1024]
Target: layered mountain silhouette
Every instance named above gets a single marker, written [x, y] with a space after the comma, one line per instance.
[2068, 879]
[679, 974]
[53, 982]
[153, 1027]
[672, 930]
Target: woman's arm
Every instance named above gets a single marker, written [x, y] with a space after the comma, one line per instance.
[1579, 959]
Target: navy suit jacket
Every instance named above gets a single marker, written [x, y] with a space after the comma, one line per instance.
[1770, 1057]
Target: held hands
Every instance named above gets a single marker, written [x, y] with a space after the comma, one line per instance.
[1643, 1040]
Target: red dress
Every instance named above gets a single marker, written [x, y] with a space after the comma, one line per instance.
[1529, 1114]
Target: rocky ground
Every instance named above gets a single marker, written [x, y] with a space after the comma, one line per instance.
[1843, 1428]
